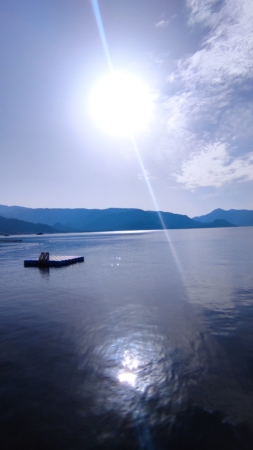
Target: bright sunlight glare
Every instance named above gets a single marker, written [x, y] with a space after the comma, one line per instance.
[121, 104]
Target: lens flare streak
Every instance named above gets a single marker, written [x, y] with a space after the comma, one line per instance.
[101, 31]
[99, 21]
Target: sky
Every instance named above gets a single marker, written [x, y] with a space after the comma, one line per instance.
[195, 57]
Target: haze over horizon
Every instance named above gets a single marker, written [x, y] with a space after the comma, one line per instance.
[195, 57]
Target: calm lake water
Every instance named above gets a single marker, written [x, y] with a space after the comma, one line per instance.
[148, 344]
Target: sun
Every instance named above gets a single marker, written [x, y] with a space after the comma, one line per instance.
[121, 104]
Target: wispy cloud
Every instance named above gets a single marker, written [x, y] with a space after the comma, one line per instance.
[207, 88]
[201, 10]
[227, 53]
[162, 24]
[213, 167]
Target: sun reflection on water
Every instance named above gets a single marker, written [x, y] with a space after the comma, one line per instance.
[130, 365]
[127, 377]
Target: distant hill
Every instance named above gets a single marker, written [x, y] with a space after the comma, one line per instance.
[15, 226]
[217, 224]
[111, 219]
[135, 219]
[239, 217]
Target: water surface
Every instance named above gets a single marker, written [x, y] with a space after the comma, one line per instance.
[147, 344]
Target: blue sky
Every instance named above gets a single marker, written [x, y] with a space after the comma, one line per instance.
[196, 56]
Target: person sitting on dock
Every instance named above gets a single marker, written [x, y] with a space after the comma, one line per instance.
[44, 256]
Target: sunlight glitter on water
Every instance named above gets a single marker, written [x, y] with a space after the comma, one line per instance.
[130, 364]
[127, 377]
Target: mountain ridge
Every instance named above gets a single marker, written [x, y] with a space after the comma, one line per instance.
[239, 217]
[110, 219]
[15, 226]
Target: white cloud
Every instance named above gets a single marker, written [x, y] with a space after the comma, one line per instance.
[162, 24]
[214, 167]
[227, 52]
[201, 10]
[205, 111]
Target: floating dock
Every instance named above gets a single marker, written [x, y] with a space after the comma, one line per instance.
[54, 261]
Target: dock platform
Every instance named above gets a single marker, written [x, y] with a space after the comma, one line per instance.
[54, 261]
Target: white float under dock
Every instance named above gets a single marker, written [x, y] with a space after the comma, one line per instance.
[54, 261]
